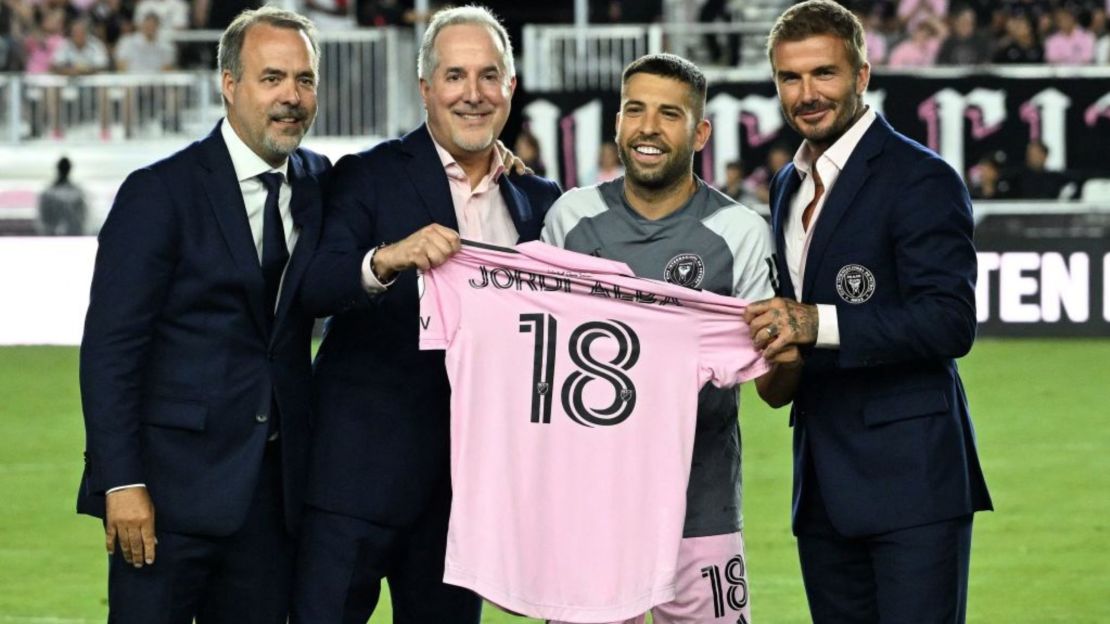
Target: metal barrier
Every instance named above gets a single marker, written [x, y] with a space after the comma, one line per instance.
[368, 87]
[566, 58]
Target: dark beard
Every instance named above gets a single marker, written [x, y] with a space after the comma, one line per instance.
[674, 169]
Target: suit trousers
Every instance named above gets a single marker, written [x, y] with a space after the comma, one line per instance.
[342, 561]
[915, 575]
[243, 578]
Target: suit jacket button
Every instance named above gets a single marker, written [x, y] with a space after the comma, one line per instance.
[262, 417]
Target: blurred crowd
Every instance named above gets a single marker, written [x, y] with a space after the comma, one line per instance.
[924, 33]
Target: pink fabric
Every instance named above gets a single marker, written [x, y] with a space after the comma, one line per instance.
[712, 584]
[913, 11]
[549, 514]
[909, 54]
[40, 53]
[482, 212]
[1078, 48]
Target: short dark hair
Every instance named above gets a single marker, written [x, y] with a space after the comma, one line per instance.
[819, 17]
[676, 68]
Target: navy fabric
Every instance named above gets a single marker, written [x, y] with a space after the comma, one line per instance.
[275, 252]
[183, 363]
[882, 431]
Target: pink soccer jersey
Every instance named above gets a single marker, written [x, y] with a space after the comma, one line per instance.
[573, 404]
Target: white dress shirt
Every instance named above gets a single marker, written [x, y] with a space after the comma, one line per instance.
[248, 166]
[797, 238]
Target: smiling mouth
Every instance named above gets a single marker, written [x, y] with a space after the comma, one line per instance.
[472, 116]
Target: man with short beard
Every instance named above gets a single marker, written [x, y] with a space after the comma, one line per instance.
[666, 224]
[874, 241]
[195, 363]
[379, 486]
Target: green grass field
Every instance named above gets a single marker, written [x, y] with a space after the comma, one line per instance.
[1041, 408]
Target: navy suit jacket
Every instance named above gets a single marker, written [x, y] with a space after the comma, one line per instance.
[180, 359]
[884, 418]
[380, 445]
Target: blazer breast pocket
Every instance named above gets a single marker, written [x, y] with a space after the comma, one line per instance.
[904, 406]
[189, 415]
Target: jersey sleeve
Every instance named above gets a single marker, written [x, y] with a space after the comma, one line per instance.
[439, 308]
[755, 276]
[726, 354]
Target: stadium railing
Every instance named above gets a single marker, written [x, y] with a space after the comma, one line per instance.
[355, 66]
[568, 58]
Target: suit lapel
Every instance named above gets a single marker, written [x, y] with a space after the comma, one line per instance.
[520, 209]
[305, 209]
[779, 211]
[425, 171]
[851, 180]
[226, 200]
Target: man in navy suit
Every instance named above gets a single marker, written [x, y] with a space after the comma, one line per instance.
[195, 363]
[877, 268]
[379, 487]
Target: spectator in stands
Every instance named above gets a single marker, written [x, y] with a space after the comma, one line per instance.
[145, 52]
[1071, 44]
[81, 54]
[735, 184]
[609, 165]
[1020, 45]
[43, 41]
[626, 11]
[111, 19]
[9, 20]
[873, 35]
[1102, 50]
[985, 180]
[527, 148]
[374, 13]
[966, 46]
[711, 12]
[218, 14]
[329, 14]
[39, 9]
[62, 209]
[923, 45]
[777, 156]
[912, 12]
[172, 14]
[1035, 181]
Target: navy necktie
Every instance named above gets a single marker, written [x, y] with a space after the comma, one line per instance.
[275, 253]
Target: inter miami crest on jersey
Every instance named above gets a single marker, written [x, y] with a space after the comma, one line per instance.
[685, 270]
[855, 283]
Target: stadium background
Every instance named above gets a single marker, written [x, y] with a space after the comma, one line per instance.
[1036, 379]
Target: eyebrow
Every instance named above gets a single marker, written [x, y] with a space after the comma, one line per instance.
[459, 68]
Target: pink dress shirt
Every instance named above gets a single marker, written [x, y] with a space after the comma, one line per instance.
[1077, 48]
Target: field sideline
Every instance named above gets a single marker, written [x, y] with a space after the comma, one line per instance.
[1041, 409]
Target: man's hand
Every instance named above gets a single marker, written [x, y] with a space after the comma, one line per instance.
[777, 324]
[510, 160]
[130, 518]
[428, 247]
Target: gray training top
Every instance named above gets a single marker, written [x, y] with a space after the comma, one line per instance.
[711, 243]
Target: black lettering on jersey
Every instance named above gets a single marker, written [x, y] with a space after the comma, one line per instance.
[425, 321]
[613, 371]
[502, 278]
[599, 290]
[738, 585]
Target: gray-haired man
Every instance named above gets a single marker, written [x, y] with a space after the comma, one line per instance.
[379, 489]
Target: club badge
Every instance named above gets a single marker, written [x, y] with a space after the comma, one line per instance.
[685, 270]
[855, 283]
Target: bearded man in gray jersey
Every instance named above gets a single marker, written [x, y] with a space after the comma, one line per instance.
[665, 223]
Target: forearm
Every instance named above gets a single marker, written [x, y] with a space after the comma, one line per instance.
[778, 386]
